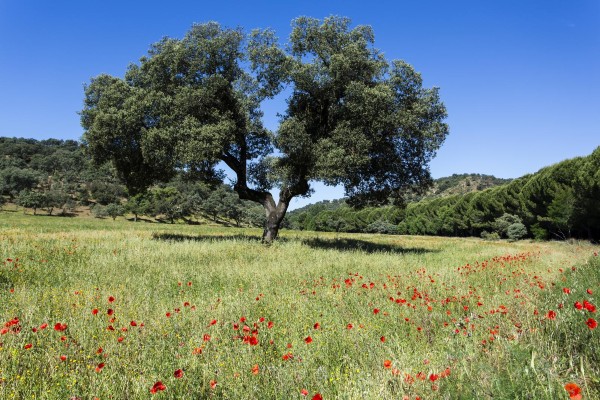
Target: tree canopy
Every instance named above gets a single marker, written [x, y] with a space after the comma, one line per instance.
[353, 118]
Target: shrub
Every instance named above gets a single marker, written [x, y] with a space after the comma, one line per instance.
[516, 231]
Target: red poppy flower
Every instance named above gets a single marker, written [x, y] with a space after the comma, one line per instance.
[43, 326]
[578, 305]
[120, 339]
[99, 367]
[110, 311]
[349, 326]
[168, 315]
[308, 340]
[317, 325]
[592, 323]
[589, 306]
[100, 350]
[111, 299]
[95, 311]
[376, 311]
[270, 324]
[255, 369]
[253, 341]
[567, 290]
[317, 397]
[387, 364]
[551, 315]
[213, 322]
[63, 358]
[382, 339]
[60, 327]
[213, 384]
[206, 337]
[574, 391]
[178, 373]
[28, 346]
[433, 377]
[589, 291]
[158, 386]
[304, 392]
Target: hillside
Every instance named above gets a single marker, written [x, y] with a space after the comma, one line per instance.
[457, 184]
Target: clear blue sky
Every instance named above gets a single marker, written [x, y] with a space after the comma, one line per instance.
[520, 79]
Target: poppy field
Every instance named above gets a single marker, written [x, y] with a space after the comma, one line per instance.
[102, 309]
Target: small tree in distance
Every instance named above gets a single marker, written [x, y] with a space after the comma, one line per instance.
[352, 119]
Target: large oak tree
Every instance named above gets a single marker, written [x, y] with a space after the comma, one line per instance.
[352, 118]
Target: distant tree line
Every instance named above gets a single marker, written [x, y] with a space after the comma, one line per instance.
[558, 202]
[57, 176]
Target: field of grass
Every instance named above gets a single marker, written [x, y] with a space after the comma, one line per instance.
[121, 310]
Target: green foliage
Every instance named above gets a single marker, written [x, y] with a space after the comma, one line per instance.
[31, 199]
[501, 224]
[353, 117]
[559, 201]
[490, 236]
[114, 210]
[99, 211]
[13, 180]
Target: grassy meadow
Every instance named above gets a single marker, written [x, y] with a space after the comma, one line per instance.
[120, 310]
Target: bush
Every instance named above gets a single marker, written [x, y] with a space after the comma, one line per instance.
[490, 236]
[384, 227]
[516, 231]
[114, 210]
[99, 211]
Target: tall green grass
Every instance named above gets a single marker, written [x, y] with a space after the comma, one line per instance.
[472, 313]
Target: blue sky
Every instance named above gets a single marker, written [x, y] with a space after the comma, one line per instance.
[520, 79]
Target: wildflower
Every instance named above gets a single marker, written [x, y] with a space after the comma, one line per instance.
[433, 377]
[574, 391]
[43, 326]
[178, 373]
[133, 323]
[317, 325]
[110, 311]
[551, 314]
[578, 305]
[213, 384]
[270, 324]
[317, 396]
[304, 392]
[387, 364]
[28, 346]
[567, 290]
[63, 358]
[376, 311]
[589, 291]
[589, 306]
[111, 299]
[95, 311]
[255, 369]
[382, 339]
[60, 327]
[308, 340]
[99, 367]
[157, 387]
[592, 323]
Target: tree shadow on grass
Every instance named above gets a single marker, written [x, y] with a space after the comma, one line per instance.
[339, 244]
[175, 237]
[345, 244]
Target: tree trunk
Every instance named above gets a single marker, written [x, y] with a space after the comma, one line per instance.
[272, 226]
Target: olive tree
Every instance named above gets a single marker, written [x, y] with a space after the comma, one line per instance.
[353, 118]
